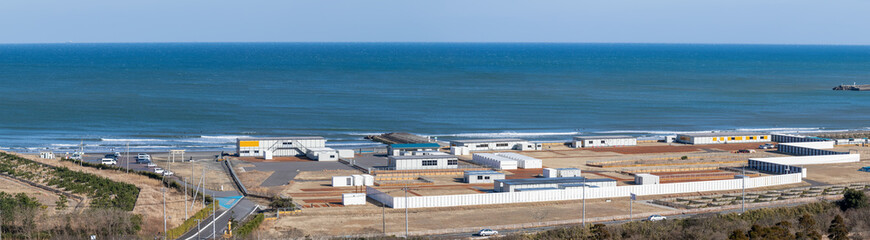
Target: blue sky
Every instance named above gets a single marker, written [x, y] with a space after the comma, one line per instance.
[634, 21]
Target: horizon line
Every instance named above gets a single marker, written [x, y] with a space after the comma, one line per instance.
[440, 42]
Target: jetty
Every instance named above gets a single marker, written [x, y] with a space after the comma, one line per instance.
[853, 87]
[399, 137]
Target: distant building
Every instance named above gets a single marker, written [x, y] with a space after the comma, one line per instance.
[496, 144]
[604, 141]
[511, 185]
[482, 176]
[400, 149]
[422, 162]
[268, 147]
[722, 137]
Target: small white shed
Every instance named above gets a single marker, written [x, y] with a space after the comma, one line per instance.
[345, 153]
[551, 173]
[645, 179]
[46, 155]
[348, 199]
[342, 181]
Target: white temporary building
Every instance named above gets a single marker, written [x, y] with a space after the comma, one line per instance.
[346, 153]
[46, 155]
[561, 172]
[494, 161]
[322, 154]
[353, 180]
[604, 141]
[348, 199]
[523, 161]
[455, 150]
[645, 179]
[722, 137]
[277, 146]
[482, 176]
[496, 144]
[420, 162]
[342, 181]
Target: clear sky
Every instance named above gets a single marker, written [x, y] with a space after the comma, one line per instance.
[635, 21]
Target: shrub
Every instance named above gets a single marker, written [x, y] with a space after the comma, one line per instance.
[853, 199]
[190, 222]
[279, 202]
[250, 226]
[838, 230]
[684, 157]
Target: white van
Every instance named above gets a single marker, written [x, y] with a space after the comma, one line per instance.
[108, 161]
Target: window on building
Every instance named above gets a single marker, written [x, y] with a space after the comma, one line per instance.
[751, 138]
[479, 177]
[482, 145]
[590, 142]
[246, 151]
[256, 151]
[602, 141]
[732, 138]
[288, 143]
[452, 162]
[430, 162]
[487, 177]
[501, 144]
[762, 137]
[331, 156]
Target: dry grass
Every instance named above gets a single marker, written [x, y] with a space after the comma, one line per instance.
[149, 204]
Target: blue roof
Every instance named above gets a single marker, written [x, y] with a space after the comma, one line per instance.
[490, 172]
[415, 145]
[564, 180]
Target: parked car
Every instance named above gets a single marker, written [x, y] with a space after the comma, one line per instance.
[158, 170]
[151, 164]
[111, 155]
[76, 156]
[766, 146]
[167, 173]
[487, 232]
[653, 218]
[108, 161]
[745, 151]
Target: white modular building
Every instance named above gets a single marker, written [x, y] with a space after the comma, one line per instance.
[422, 153]
[482, 176]
[401, 149]
[422, 162]
[604, 141]
[346, 153]
[511, 185]
[494, 161]
[46, 155]
[455, 150]
[496, 144]
[523, 161]
[645, 179]
[277, 146]
[353, 180]
[348, 199]
[561, 172]
[723, 137]
[322, 154]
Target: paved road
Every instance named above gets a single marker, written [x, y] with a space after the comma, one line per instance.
[286, 171]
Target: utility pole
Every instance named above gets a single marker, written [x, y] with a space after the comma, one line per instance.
[383, 217]
[198, 228]
[406, 210]
[631, 206]
[186, 216]
[214, 219]
[743, 198]
[164, 212]
[584, 202]
[203, 186]
[128, 157]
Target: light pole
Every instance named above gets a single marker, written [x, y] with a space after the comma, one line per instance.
[743, 198]
[214, 218]
[384, 217]
[406, 210]
[128, 157]
[198, 228]
[186, 216]
[584, 202]
[164, 212]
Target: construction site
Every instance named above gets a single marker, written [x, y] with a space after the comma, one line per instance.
[666, 178]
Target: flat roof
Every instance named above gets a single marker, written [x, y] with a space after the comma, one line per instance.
[415, 145]
[467, 141]
[483, 173]
[281, 138]
[603, 137]
[568, 168]
[721, 134]
[552, 180]
[423, 157]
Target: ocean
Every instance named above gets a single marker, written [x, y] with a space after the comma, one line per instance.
[201, 96]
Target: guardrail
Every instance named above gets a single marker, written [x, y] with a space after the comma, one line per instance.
[235, 178]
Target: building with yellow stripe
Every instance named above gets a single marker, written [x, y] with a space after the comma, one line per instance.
[278, 146]
[722, 137]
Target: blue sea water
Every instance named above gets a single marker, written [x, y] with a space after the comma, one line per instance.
[203, 95]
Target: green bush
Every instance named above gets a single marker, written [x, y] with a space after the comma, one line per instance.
[249, 226]
[853, 199]
[191, 222]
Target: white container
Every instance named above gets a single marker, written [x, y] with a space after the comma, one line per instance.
[342, 181]
[345, 153]
[349, 199]
[646, 179]
[358, 180]
[551, 173]
[46, 155]
[368, 180]
[459, 150]
[494, 161]
[267, 155]
[523, 161]
[569, 172]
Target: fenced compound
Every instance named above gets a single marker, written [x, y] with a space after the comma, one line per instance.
[576, 194]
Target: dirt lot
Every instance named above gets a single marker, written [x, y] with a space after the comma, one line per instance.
[367, 219]
[150, 201]
[838, 173]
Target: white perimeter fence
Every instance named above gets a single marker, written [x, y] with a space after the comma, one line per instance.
[576, 194]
